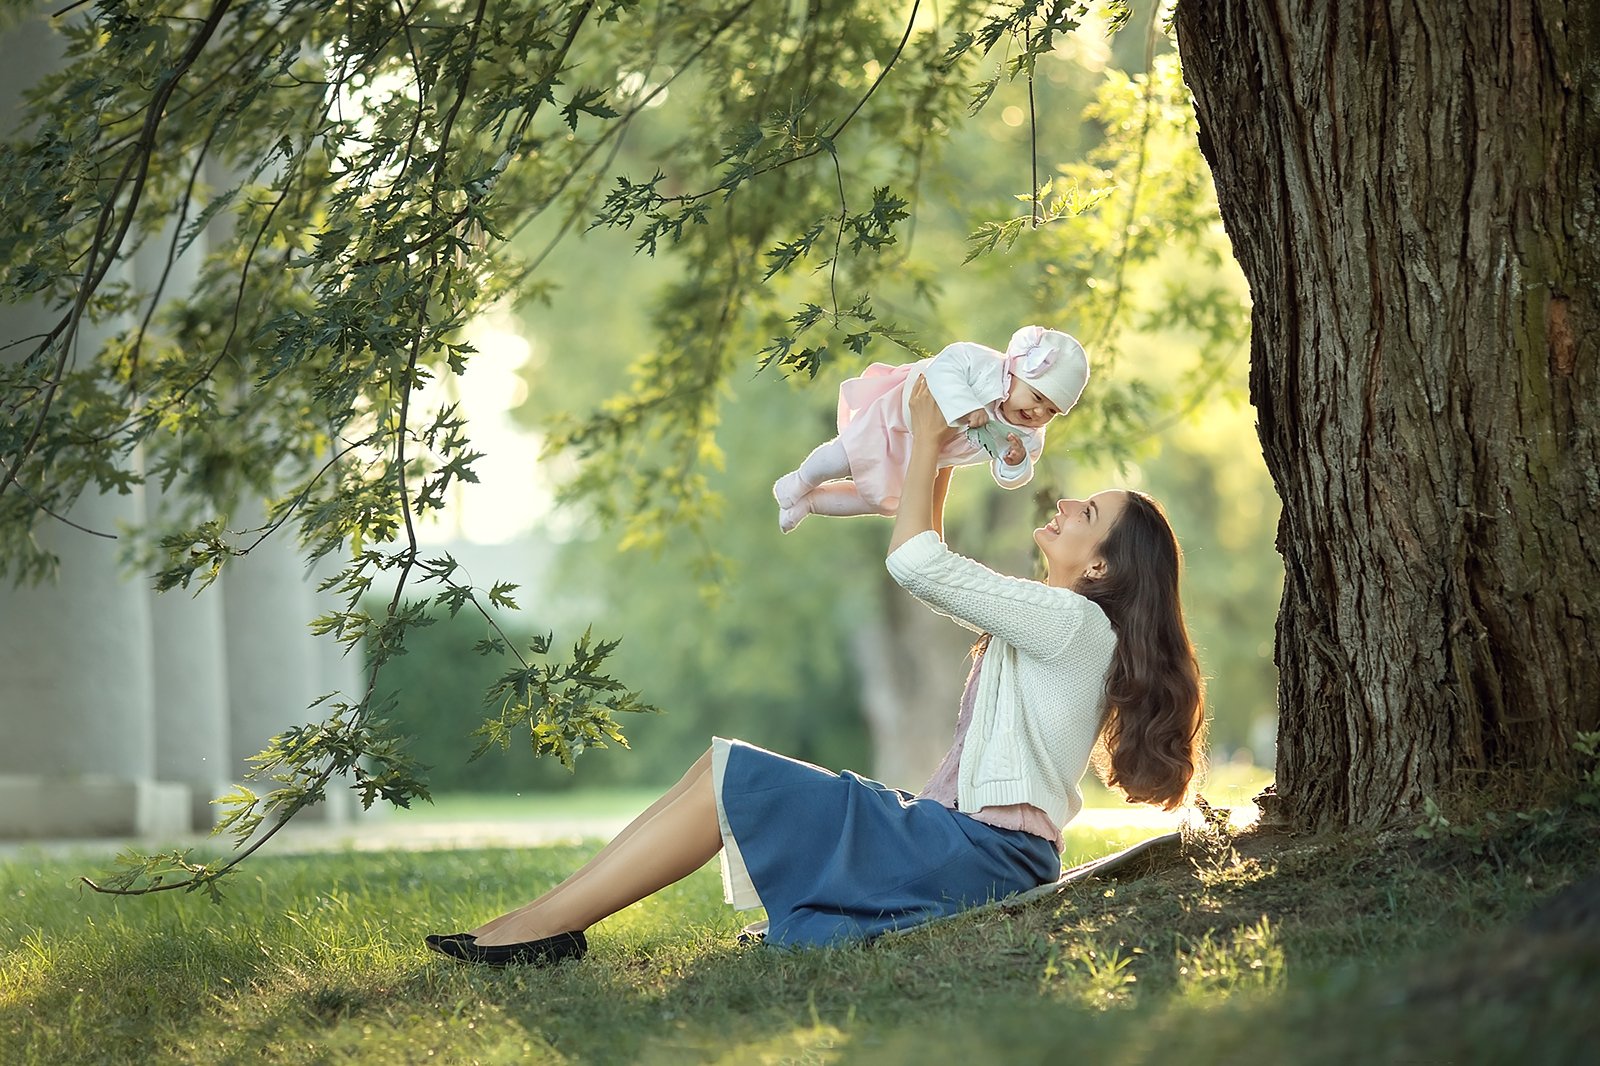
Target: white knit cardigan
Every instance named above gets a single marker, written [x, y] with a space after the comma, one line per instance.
[1041, 688]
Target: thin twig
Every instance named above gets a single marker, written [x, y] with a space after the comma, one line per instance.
[238, 301]
[1119, 285]
[407, 383]
[617, 128]
[301, 496]
[41, 505]
[911, 22]
[554, 69]
[1033, 131]
[838, 241]
[172, 257]
[233, 329]
[830, 137]
[422, 102]
[579, 209]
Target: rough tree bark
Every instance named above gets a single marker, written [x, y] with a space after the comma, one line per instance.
[1413, 191]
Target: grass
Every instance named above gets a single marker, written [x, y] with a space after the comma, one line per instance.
[516, 806]
[1255, 947]
[517, 819]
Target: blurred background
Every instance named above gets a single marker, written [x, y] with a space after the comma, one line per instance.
[800, 642]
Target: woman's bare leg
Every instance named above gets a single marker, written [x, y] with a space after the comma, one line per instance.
[669, 841]
[701, 766]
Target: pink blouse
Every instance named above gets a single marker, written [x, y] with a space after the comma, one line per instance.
[941, 787]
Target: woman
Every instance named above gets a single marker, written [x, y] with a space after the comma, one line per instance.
[1096, 656]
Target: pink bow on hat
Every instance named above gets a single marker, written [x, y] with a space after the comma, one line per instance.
[1026, 354]
[1038, 355]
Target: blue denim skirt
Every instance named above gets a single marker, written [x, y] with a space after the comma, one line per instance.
[836, 858]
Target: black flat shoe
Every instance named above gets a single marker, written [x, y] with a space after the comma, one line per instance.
[546, 952]
[433, 940]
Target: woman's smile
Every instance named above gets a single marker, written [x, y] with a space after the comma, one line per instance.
[1056, 520]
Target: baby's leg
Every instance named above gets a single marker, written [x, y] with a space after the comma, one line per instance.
[840, 499]
[836, 498]
[826, 462]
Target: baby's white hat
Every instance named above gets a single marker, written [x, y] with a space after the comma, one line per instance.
[1052, 362]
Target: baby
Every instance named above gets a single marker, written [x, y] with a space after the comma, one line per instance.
[1003, 399]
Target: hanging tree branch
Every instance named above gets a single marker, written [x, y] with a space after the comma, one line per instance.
[101, 252]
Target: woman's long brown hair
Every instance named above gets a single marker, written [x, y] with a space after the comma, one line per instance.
[1155, 715]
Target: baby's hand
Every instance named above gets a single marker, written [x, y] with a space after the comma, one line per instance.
[1015, 452]
[974, 419]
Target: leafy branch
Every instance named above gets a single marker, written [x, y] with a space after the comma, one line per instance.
[1049, 205]
[567, 707]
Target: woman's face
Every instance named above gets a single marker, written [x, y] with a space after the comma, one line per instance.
[1071, 539]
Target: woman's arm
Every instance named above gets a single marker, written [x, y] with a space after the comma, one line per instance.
[922, 497]
[1038, 620]
[941, 489]
[1032, 617]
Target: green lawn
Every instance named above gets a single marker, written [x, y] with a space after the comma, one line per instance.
[1273, 949]
[517, 806]
[1105, 819]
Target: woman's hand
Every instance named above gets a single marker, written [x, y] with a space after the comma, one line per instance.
[922, 496]
[927, 421]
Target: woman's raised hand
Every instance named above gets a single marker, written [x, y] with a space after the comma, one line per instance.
[926, 418]
[922, 496]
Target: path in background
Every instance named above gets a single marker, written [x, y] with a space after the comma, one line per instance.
[386, 831]
[491, 825]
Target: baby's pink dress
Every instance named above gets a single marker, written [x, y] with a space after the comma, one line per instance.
[875, 430]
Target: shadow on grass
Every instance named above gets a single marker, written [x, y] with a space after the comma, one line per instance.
[1249, 947]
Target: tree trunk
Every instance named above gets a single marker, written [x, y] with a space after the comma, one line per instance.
[1413, 191]
[912, 665]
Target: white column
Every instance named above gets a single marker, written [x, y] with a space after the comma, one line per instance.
[274, 667]
[187, 653]
[343, 674]
[188, 668]
[77, 744]
[77, 730]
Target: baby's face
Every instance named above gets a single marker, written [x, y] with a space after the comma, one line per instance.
[1025, 407]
